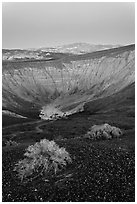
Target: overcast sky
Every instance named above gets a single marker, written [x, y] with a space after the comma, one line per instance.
[29, 25]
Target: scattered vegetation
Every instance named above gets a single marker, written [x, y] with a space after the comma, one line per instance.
[8, 143]
[104, 131]
[42, 158]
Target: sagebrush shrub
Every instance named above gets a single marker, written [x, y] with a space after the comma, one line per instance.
[41, 158]
[11, 143]
[104, 131]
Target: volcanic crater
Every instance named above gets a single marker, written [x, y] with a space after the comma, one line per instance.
[74, 92]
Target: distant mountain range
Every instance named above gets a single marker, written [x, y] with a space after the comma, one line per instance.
[49, 53]
[79, 48]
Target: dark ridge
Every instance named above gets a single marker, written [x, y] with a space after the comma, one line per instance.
[124, 100]
[10, 120]
[103, 52]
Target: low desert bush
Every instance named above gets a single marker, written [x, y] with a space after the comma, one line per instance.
[104, 131]
[42, 158]
[10, 143]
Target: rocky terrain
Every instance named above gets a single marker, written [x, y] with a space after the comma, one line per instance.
[91, 89]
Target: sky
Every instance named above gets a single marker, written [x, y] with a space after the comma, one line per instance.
[48, 24]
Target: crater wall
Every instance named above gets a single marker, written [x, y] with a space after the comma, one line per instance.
[65, 84]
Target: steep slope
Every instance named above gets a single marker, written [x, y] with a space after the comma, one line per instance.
[65, 85]
[123, 101]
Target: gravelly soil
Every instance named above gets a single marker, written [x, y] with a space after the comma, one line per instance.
[101, 171]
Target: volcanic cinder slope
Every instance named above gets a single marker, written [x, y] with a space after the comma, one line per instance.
[67, 84]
